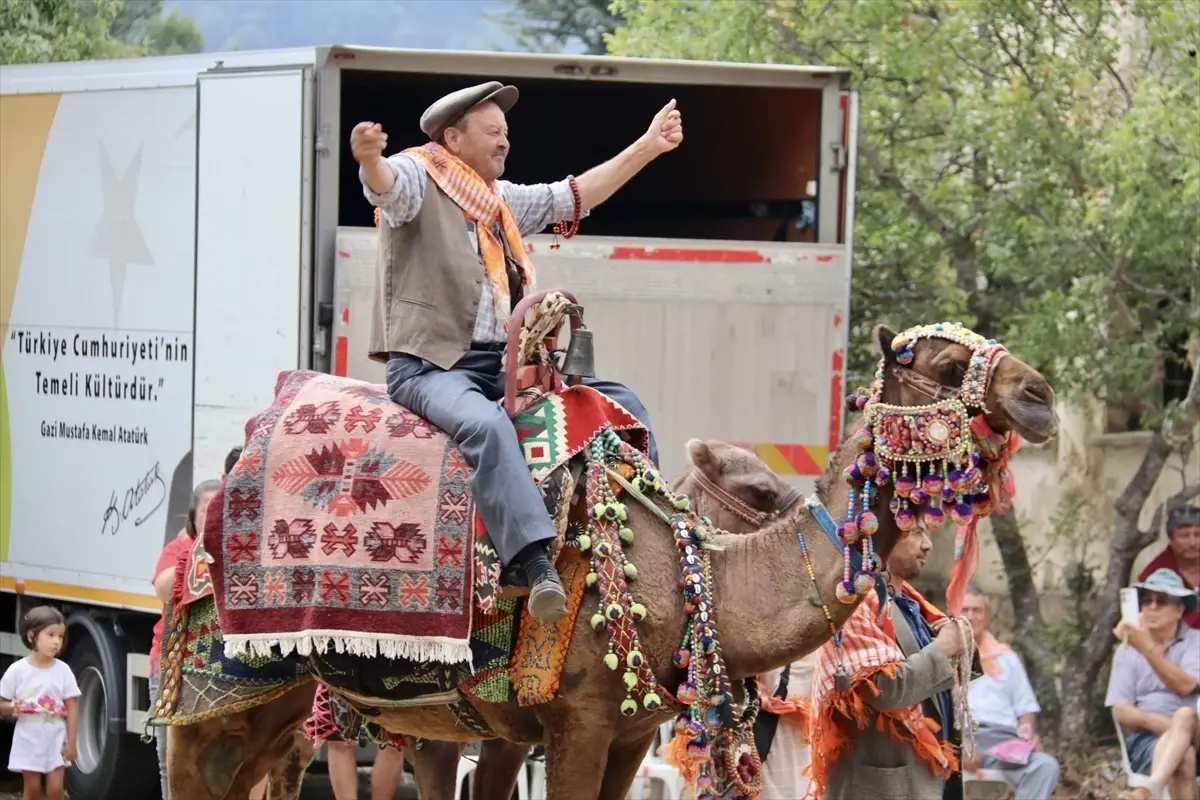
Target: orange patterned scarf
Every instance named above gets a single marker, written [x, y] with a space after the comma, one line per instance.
[990, 650]
[833, 717]
[481, 204]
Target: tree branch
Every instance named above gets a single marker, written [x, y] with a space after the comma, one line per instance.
[1028, 627]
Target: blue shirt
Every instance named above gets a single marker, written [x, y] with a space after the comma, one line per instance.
[911, 611]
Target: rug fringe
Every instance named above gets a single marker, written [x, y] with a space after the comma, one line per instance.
[367, 645]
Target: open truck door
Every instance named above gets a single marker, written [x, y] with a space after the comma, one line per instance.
[253, 247]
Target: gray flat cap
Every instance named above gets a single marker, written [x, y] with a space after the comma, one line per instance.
[450, 108]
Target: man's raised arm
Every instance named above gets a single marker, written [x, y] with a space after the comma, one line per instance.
[664, 135]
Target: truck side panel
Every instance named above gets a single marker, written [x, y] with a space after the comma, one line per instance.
[250, 256]
[729, 340]
[96, 310]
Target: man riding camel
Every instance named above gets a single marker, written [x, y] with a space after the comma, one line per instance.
[451, 268]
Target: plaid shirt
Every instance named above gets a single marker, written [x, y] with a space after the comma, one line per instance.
[534, 206]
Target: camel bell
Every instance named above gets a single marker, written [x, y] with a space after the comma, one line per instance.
[580, 360]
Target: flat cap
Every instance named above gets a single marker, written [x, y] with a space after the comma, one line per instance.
[450, 108]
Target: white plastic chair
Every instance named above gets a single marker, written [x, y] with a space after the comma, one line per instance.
[537, 778]
[1132, 779]
[656, 778]
[466, 778]
[991, 780]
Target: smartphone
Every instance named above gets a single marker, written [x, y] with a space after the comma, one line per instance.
[1130, 610]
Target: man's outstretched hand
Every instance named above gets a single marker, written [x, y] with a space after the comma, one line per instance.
[367, 142]
[666, 129]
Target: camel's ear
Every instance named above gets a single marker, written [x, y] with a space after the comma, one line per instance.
[699, 454]
[883, 337]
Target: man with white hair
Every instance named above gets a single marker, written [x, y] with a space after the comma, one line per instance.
[1005, 709]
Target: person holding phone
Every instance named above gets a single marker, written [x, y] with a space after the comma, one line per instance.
[1153, 687]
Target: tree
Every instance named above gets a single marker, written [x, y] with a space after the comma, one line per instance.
[34, 31]
[1031, 168]
[145, 27]
[550, 25]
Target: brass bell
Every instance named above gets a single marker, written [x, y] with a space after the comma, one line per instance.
[580, 360]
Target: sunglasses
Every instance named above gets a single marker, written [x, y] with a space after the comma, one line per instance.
[1155, 599]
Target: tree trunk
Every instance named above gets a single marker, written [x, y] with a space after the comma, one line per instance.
[1084, 663]
[1028, 627]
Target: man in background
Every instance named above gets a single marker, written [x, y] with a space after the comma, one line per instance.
[1182, 554]
[1153, 687]
[1005, 709]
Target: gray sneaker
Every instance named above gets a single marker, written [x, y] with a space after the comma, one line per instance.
[547, 599]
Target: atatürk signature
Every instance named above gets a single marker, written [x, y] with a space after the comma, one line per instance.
[150, 487]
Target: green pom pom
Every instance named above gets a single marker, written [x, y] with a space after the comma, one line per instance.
[611, 661]
[613, 612]
[598, 622]
[652, 701]
[626, 535]
[681, 503]
[630, 571]
[638, 611]
[631, 680]
[622, 512]
[604, 549]
[651, 478]
[633, 659]
[585, 542]
[598, 511]
[628, 707]
[591, 579]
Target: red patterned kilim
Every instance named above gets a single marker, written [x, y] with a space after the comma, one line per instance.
[347, 523]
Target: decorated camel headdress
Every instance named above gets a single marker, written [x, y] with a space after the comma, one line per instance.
[941, 459]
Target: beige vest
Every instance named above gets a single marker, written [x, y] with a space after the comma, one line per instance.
[428, 284]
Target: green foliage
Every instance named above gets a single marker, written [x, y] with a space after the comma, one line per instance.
[145, 25]
[551, 25]
[35, 31]
[1027, 167]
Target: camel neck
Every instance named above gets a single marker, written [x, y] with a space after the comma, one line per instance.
[765, 614]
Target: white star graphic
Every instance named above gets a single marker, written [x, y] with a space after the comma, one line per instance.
[117, 237]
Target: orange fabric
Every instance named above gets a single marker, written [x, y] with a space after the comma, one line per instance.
[997, 449]
[990, 650]
[541, 650]
[832, 718]
[481, 204]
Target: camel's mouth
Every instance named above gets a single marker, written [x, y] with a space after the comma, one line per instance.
[1034, 419]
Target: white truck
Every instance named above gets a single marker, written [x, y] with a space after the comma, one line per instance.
[174, 231]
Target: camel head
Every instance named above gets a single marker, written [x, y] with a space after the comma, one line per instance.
[920, 367]
[946, 411]
[732, 486]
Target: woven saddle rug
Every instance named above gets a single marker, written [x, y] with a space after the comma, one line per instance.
[346, 529]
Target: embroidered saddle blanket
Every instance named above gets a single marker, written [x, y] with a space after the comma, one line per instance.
[347, 526]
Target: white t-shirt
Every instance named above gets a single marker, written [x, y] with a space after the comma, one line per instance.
[40, 695]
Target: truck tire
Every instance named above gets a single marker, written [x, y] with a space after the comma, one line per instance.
[110, 766]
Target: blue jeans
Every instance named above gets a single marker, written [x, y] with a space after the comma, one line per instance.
[160, 736]
[463, 402]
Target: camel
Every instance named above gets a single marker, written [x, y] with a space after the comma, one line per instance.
[763, 611]
[730, 485]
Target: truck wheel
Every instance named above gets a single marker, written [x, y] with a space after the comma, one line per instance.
[110, 766]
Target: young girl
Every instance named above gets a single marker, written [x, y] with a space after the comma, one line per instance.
[40, 692]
